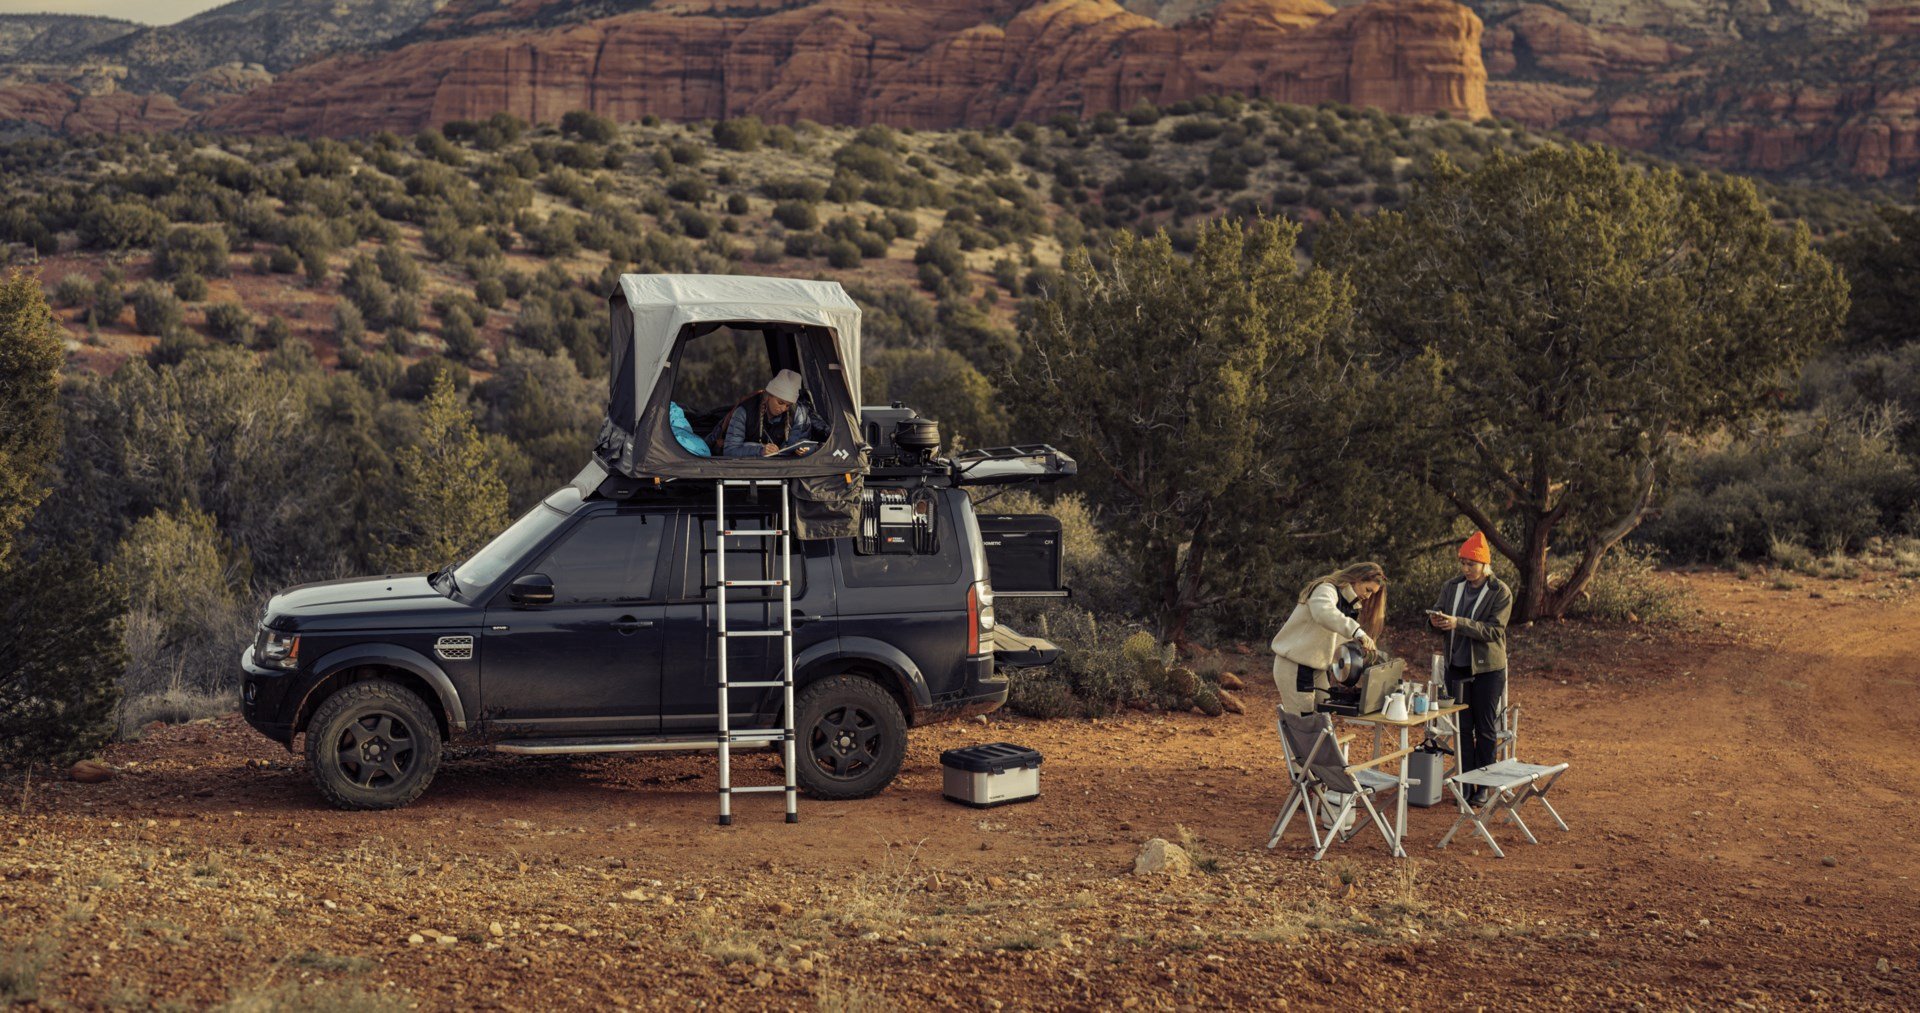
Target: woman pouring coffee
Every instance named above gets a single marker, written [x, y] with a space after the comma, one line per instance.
[1472, 612]
[1341, 607]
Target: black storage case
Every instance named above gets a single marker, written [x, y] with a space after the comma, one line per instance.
[1024, 554]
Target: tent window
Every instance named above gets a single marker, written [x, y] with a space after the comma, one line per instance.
[714, 366]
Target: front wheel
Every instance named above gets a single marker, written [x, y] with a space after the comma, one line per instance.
[852, 738]
[373, 745]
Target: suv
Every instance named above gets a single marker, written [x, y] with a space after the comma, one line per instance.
[589, 626]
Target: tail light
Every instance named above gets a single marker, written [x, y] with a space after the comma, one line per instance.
[979, 615]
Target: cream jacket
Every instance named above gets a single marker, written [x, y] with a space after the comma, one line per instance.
[1314, 630]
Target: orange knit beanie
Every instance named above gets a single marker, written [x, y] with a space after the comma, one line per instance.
[1476, 549]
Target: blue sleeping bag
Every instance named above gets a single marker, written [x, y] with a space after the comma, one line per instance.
[683, 431]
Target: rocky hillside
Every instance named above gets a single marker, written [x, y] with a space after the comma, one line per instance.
[934, 64]
[48, 38]
[275, 34]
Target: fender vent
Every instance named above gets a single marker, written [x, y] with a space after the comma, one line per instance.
[454, 648]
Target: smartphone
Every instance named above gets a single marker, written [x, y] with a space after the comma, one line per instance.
[1431, 612]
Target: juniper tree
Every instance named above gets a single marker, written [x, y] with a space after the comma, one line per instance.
[1553, 325]
[30, 354]
[1212, 404]
[449, 499]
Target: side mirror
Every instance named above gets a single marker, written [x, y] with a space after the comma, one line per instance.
[531, 589]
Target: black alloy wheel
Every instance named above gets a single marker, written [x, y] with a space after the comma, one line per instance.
[853, 738]
[373, 745]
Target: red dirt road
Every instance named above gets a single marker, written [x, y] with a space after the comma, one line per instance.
[1740, 800]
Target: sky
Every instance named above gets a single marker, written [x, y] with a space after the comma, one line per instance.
[152, 12]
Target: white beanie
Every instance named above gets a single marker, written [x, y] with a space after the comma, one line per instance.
[785, 385]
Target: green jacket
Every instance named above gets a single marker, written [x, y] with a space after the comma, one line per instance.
[1487, 627]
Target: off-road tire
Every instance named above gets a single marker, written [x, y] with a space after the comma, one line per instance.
[854, 724]
[398, 741]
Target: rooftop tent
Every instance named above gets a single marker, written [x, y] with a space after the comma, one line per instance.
[811, 327]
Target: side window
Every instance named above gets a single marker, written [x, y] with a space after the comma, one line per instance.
[605, 559]
[893, 569]
[748, 558]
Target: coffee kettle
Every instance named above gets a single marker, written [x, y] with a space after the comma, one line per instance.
[1395, 708]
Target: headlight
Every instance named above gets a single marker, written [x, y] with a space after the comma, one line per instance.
[278, 650]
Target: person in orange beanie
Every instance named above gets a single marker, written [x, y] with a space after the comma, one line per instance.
[1471, 612]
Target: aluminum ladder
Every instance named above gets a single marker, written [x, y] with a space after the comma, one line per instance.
[783, 531]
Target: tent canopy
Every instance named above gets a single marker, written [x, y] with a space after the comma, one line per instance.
[662, 304]
[812, 327]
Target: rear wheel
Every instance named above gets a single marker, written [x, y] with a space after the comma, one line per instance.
[852, 738]
[373, 745]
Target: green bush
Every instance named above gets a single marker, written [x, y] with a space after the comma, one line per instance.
[73, 290]
[589, 126]
[796, 215]
[1833, 485]
[60, 631]
[843, 254]
[155, 311]
[743, 134]
[192, 250]
[230, 322]
[1628, 588]
[690, 190]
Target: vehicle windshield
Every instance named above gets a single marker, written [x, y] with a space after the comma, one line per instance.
[509, 547]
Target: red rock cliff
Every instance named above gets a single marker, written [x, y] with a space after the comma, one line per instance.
[932, 63]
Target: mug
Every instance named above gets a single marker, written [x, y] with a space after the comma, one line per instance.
[1419, 703]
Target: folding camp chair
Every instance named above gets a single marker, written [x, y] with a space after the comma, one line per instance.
[1317, 767]
[1506, 725]
[1509, 783]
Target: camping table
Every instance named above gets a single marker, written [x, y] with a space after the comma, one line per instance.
[1381, 722]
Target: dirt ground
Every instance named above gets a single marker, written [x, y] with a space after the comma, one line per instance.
[1740, 803]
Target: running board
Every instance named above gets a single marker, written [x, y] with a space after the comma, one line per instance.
[632, 744]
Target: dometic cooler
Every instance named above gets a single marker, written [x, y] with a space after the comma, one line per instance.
[990, 775]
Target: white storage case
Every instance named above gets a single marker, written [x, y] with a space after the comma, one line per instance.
[990, 775]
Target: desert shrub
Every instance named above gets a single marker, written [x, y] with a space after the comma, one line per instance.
[190, 287]
[106, 302]
[191, 250]
[690, 190]
[189, 603]
[743, 134]
[1833, 485]
[1630, 589]
[805, 190]
[399, 269]
[119, 225]
[230, 322]
[738, 204]
[589, 126]
[155, 311]
[796, 214]
[434, 144]
[73, 290]
[843, 254]
[695, 223]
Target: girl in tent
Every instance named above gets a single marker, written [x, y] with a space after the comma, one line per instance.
[1343, 606]
[771, 420]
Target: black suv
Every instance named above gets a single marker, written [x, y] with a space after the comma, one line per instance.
[589, 626]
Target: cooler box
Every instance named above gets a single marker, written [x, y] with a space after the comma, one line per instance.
[994, 774]
[1025, 554]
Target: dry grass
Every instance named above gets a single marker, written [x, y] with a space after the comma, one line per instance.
[21, 964]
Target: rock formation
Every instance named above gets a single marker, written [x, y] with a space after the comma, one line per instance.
[935, 63]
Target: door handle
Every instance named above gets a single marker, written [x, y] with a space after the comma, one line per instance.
[801, 618]
[628, 624]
